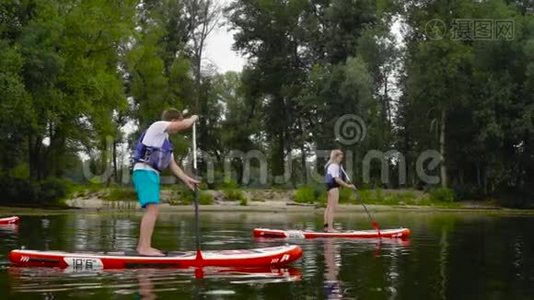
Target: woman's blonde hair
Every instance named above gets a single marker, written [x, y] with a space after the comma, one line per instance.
[333, 155]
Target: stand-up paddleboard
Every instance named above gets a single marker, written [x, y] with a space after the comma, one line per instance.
[10, 220]
[245, 258]
[400, 233]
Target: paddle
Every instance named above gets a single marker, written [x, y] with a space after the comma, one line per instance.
[373, 222]
[197, 226]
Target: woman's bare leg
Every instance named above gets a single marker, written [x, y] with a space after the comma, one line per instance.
[333, 197]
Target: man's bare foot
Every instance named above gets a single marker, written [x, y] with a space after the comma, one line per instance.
[150, 252]
[159, 251]
[331, 230]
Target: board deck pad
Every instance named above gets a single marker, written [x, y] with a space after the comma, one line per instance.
[246, 258]
[134, 253]
[399, 233]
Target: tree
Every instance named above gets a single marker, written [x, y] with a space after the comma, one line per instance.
[268, 33]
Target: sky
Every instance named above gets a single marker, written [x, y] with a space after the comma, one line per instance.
[219, 51]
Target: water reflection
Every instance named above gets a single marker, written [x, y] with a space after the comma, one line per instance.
[9, 229]
[332, 285]
[449, 256]
[118, 233]
[146, 283]
[146, 287]
[9, 234]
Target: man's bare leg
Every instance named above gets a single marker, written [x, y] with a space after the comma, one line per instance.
[144, 247]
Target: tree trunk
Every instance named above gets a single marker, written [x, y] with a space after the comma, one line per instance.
[387, 109]
[303, 163]
[115, 173]
[442, 149]
[35, 161]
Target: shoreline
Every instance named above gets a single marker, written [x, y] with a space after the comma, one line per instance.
[259, 200]
[266, 208]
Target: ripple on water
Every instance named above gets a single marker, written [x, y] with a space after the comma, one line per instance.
[41, 280]
[219, 293]
[142, 281]
[435, 261]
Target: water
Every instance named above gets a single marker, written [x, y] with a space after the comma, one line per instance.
[449, 256]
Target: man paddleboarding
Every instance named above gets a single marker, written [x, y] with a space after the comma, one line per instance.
[334, 178]
[153, 154]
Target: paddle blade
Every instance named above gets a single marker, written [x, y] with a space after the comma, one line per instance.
[199, 273]
[375, 225]
[199, 256]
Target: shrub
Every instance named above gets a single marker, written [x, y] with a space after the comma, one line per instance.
[233, 194]
[468, 192]
[51, 190]
[230, 185]
[181, 195]
[366, 195]
[24, 191]
[184, 196]
[346, 195]
[406, 196]
[305, 194]
[442, 195]
[205, 198]
[323, 197]
[379, 195]
[121, 194]
[372, 196]
[318, 194]
[243, 202]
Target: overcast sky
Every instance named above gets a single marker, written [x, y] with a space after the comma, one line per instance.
[219, 49]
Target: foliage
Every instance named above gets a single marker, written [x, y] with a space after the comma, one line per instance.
[74, 74]
[205, 198]
[233, 194]
[181, 196]
[121, 194]
[442, 195]
[305, 194]
[318, 194]
[24, 192]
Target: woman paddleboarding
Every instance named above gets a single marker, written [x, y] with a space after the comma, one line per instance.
[334, 178]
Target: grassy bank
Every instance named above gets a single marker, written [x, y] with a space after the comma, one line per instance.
[438, 197]
[304, 195]
[175, 195]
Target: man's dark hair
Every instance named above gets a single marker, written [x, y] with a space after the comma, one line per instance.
[171, 114]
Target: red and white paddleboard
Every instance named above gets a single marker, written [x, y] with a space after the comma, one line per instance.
[400, 233]
[246, 258]
[10, 220]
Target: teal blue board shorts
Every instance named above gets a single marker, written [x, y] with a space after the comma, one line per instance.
[146, 184]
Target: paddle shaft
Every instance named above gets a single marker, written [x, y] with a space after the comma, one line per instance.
[373, 222]
[197, 222]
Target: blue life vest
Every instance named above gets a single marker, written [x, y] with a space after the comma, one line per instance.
[330, 181]
[158, 158]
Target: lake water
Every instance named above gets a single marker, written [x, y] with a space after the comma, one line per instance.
[448, 256]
